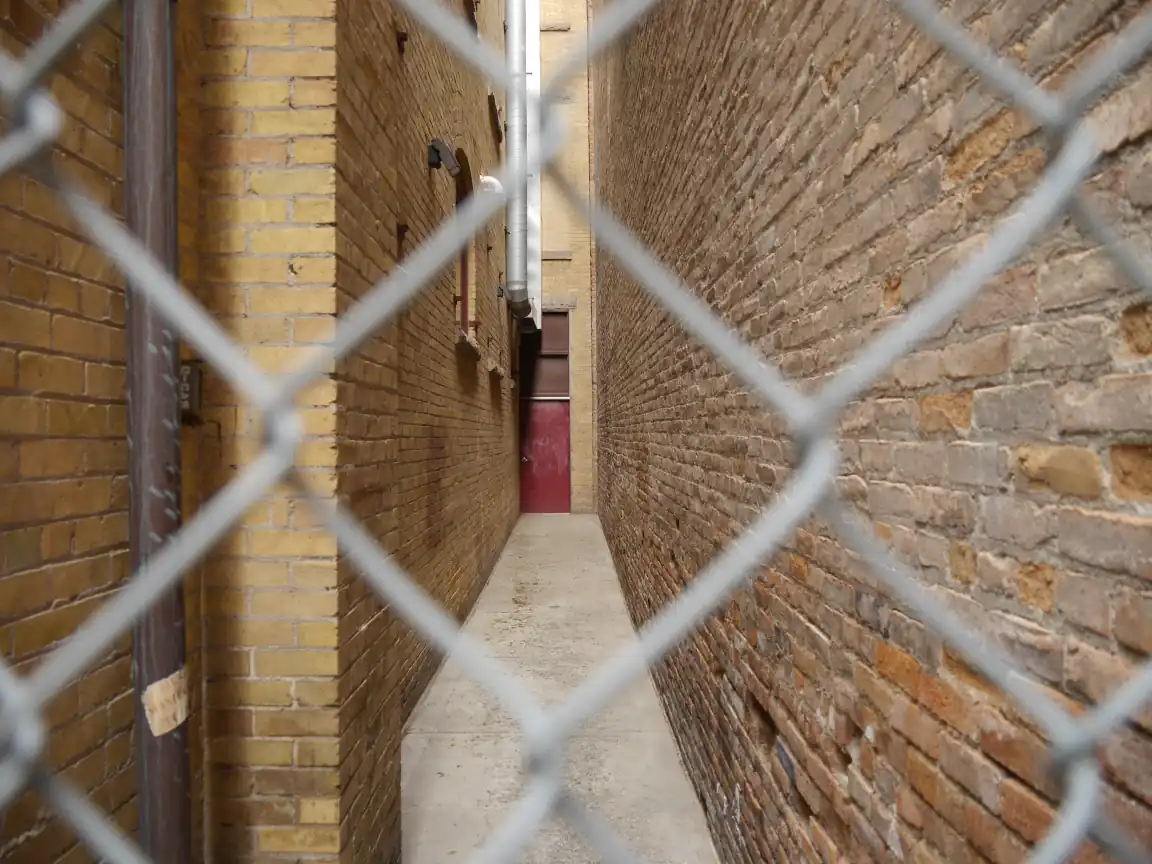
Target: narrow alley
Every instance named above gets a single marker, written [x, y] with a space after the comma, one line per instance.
[552, 611]
[811, 339]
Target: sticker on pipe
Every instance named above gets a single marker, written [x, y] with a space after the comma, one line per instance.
[166, 702]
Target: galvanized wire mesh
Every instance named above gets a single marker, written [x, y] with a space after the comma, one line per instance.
[34, 125]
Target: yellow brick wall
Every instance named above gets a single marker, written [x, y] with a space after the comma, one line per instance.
[267, 272]
[63, 453]
[69, 373]
[567, 242]
[301, 680]
[426, 426]
[303, 193]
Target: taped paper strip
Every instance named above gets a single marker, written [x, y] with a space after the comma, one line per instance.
[166, 702]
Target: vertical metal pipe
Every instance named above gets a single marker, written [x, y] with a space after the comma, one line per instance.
[517, 152]
[158, 649]
[532, 76]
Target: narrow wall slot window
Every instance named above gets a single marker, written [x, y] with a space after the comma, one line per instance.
[466, 264]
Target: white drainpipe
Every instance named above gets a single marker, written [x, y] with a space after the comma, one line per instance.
[534, 269]
[518, 296]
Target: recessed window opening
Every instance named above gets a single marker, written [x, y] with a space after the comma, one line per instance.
[466, 263]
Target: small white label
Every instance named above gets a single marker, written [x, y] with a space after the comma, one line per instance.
[166, 702]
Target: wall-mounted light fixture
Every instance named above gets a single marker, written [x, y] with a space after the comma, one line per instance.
[495, 117]
[440, 155]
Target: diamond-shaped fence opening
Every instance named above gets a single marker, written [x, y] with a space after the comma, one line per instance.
[34, 124]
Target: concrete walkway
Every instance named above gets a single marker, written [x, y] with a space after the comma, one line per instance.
[553, 611]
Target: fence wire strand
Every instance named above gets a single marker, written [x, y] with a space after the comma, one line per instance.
[35, 122]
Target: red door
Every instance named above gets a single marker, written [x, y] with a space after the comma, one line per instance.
[545, 463]
[545, 454]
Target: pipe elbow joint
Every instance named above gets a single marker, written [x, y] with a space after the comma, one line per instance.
[518, 301]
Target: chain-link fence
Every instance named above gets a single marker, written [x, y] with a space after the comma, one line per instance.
[34, 124]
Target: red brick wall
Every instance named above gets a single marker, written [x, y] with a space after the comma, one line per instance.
[811, 170]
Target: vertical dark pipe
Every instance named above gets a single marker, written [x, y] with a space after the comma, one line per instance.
[158, 650]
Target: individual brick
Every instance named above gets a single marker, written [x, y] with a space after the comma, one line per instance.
[980, 465]
[1016, 749]
[1037, 586]
[1074, 342]
[1027, 407]
[1132, 616]
[1127, 756]
[1077, 280]
[985, 357]
[1036, 649]
[1009, 297]
[1131, 466]
[319, 811]
[945, 509]
[983, 145]
[1136, 328]
[1109, 540]
[1024, 811]
[977, 774]
[1096, 674]
[1084, 600]
[1066, 470]
[946, 412]
[293, 64]
[1017, 521]
[1116, 403]
[1124, 114]
[962, 563]
[313, 839]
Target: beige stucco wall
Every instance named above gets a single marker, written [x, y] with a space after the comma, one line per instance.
[567, 243]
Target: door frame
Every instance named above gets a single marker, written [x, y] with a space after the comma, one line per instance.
[566, 311]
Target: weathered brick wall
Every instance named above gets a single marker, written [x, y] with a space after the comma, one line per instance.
[811, 170]
[63, 454]
[427, 434]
